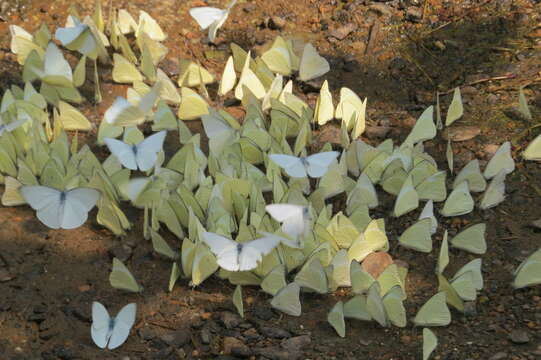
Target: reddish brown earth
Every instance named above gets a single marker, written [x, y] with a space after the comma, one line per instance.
[397, 53]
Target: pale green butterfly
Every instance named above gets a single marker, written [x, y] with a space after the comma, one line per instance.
[502, 160]
[456, 109]
[529, 271]
[287, 300]
[443, 258]
[424, 128]
[434, 312]
[471, 239]
[122, 278]
[275, 280]
[394, 307]
[374, 305]
[407, 199]
[495, 192]
[430, 342]
[357, 308]
[459, 201]
[475, 267]
[237, 300]
[472, 174]
[533, 151]
[417, 236]
[360, 279]
[312, 276]
[336, 319]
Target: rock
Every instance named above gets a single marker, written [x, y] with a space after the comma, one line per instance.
[376, 262]
[63, 353]
[276, 23]
[230, 320]
[263, 312]
[376, 131]
[468, 90]
[6, 275]
[330, 133]
[251, 335]
[490, 150]
[470, 308]
[461, 133]
[343, 31]
[519, 337]
[381, 9]
[493, 99]
[205, 336]
[414, 14]
[121, 252]
[177, 338]
[275, 353]
[274, 333]
[499, 356]
[236, 347]
[536, 223]
[146, 334]
[296, 343]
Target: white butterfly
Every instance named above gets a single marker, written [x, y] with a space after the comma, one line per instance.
[314, 165]
[142, 155]
[60, 209]
[294, 218]
[212, 18]
[235, 256]
[111, 332]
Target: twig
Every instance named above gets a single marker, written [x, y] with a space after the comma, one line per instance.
[494, 78]
[155, 323]
[425, 9]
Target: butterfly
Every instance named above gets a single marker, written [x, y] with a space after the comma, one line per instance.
[60, 209]
[141, 156]
[235, 256]
[111, 332]
[211, 18]
[314, 165]
[294, 218]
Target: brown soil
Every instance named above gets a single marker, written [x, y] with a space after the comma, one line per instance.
[395, 58]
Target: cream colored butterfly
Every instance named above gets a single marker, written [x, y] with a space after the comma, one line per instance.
[312, 64]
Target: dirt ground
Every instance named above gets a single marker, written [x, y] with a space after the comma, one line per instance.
[397, 53]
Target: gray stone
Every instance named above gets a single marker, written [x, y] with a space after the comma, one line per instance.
[275, 333]
[519, 337]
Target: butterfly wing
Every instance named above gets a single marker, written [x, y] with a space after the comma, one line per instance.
[148, 149]
[99, 330]
[226, 250]
[57, 69]
[123, 152]
[206, 15]
[292, 165]
[46, 202]
[77, 204]
[253, 251]
[318, 164]
[291, 216]
[122, 325]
